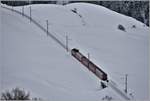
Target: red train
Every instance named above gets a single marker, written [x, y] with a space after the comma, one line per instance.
[91, 66]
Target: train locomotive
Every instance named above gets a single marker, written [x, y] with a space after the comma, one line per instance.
[90, 65]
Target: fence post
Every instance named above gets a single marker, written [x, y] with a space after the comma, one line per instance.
[89, 56]
[22, 10]
[12, 8]
[30, 14]
[126, 83]
[47, 27]
[67, 43]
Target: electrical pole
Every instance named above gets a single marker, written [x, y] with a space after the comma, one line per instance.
[29, 2]
[47, 26]
[67, 43]
[126, 83]
[12, 4]
[89, 59]
[30, 14]
[12, 8]
[89, 56]
[22, 10]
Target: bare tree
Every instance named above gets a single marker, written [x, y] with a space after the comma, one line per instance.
[15, 94]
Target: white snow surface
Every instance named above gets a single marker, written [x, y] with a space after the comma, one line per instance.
[33, 61]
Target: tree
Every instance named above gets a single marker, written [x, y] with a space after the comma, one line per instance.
[121, 27]
[15, 94]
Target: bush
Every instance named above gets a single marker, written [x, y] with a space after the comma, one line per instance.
[107, 98]
[133, 26]
[121, 27]
[15, 94]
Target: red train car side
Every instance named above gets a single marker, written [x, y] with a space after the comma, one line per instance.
[90, 65]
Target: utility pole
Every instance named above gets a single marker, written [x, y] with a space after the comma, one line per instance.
[126, 83]
[30, 14]
[22, 10]
[47, 26]
[89, 56]
[12, 8]
[12, 4]
[89, 59]
[29, 2]
[67, 43]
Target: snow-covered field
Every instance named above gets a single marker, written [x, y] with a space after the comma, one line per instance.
[33, 61]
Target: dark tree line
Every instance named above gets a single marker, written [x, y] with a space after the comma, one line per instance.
[15, 3]
[136, 9]
[27, 2]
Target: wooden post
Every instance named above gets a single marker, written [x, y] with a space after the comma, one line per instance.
[30, 14]
[12, 8]
[126, 83]
[89, 56]
[47, 26]
[22, 10]
[89, 59]
[67, 43]
[29, 2]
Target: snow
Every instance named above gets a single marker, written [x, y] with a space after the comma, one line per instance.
[37, 63]
[0, 52]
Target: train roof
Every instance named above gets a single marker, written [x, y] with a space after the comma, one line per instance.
[76, 50]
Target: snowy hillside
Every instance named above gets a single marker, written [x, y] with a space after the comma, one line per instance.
[37, 63]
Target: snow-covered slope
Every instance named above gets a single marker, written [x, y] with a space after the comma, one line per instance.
[32, 61]
[37, 63]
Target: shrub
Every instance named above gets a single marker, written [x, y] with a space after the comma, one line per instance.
[121, 27]
[107, 98]
[15, 94]
[133, 26]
